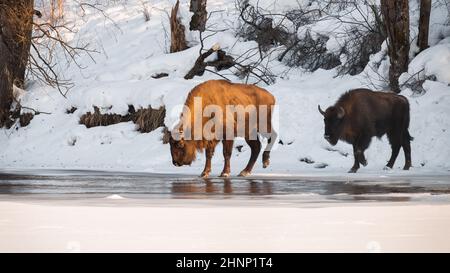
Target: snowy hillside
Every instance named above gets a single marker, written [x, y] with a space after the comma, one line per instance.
[132, 50]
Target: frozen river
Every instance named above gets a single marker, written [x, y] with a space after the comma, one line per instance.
[73, 183]
[89, 211]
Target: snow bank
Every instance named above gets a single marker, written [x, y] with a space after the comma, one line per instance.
[69, 227]
[432, 61]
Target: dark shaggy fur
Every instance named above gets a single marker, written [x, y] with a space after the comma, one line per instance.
[360, 114]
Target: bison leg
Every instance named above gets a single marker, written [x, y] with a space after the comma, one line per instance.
[209, 152]
[363, 160]
[355, 167]
[395, 151]
[361, 157]
[255, 146]
[227, 150]
[358, 153]
[362, 146]
[266, 153]
[395, 145]
[407, 150]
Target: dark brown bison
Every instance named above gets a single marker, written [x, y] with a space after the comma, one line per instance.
[221, 95]
[360, 114]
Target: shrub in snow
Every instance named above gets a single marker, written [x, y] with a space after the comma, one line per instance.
[432, 61]
[311, 53]
[359, 46]
[306, 36]
[146, 119]
[258, 26]
[145, 11]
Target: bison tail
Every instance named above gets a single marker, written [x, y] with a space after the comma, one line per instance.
[409, 136]
[407, 117]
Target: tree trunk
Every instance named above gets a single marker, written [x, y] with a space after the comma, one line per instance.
[178, 39]
[16, 21]
[56, 10]
[6, 86]
[396, 20]
[198, 20]
[424, 24]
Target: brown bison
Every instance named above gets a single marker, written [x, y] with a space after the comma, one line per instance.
[234, 110]
[360, 114]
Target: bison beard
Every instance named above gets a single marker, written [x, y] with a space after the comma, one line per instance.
[360, 114]
[222, 94]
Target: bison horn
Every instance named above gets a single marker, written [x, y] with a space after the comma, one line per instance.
[341, 112]
[320, 110]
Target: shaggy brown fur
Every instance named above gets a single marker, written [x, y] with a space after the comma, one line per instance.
[223, 93]
[360, 114]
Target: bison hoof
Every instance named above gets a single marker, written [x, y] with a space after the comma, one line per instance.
[244, 173]
[387, 168]
[406, 168]
[224, 175]
[266, 163]
[204, 175]
[353, 170]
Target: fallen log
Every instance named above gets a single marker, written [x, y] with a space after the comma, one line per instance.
[222, 62]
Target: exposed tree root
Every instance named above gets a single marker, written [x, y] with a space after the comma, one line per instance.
[146, 119]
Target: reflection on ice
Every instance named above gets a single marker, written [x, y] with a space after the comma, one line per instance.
[164, 186]
[224, 186]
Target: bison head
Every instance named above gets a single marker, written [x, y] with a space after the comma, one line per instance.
[183, 151]
[333, 118]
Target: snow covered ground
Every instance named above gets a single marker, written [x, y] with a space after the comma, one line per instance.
[218, 226]
[132, 50]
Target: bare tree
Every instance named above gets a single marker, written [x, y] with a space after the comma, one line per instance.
[178, 39]
[56, 9]
[198, 20]
[16, 19]
[48, 39]
[424, 24]
[28, 49]
[396, 20]
[252, 65]
[6, 86]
